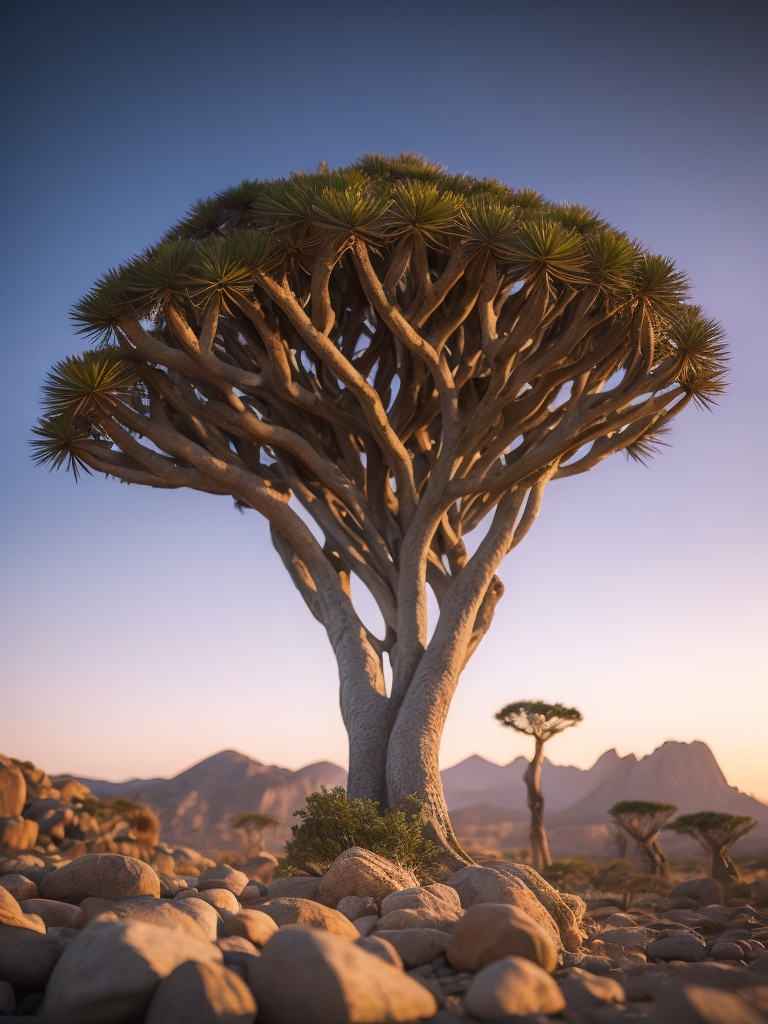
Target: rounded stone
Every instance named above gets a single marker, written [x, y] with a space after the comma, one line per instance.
[109, 876]
[512, 985]
[202, 993]
[490, 931]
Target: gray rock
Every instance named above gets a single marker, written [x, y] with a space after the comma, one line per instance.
[163, 913]
[7, 998]
[695, 1004]
[227, 877]
[583, 989]
[207, 917]
[310, 915]
[512, 985]
[358, 872]
[381, 948]
[19, 887]
[396, 919]
[252, 925]
[302, 887]
[684, 946]
[354, 907]
[27, 957]
[109, 876]
[489, 931]
[221, 899]
[310, 977]
[563, 913]
[624, 936]
[366, 925]
[704, 891]
[54, 914]
[109, 974]
[513, 892]
[727, 951]
[470, 881]
[202, 993]
[416, 946]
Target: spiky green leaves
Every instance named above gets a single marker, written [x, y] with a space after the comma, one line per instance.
[96, 315]
[658, 285]
[640, 807]
[725, 827]
[80, 385]
[697, 344]
[350, 214]
[56, 441]
[423, 211]
[543, 246]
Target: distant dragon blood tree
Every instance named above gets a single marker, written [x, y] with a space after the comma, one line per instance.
[716, 832]
[406, 354]
[541, 721]
[643, 820]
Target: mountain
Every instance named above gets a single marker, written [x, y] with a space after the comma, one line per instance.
[487, 816]
[487, 801]
[195, 807]
[477, 781]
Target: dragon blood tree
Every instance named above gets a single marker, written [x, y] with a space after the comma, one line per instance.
[716, 832]
[407, 355]
[542, 722]
[643, 820]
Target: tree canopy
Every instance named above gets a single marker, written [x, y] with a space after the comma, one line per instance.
[538, 719]
[398, 353]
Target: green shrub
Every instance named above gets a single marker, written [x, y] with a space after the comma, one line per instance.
[330, 823]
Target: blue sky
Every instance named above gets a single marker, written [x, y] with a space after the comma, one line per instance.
[142, 630]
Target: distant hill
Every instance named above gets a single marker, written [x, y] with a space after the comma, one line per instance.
[487, 800]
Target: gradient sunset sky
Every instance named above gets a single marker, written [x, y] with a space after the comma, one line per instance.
[144, 630]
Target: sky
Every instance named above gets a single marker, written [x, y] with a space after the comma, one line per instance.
[143, 630]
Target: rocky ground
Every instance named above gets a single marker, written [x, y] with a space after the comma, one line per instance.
[108, 938]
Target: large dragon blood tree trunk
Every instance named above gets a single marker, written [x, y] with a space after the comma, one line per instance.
[401, 355]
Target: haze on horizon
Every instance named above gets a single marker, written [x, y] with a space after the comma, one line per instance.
[129, 647]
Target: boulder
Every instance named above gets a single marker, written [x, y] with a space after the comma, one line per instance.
[27, 864]
[686, 946]
[416, 946]
[583, 990]
[563, 914]
[695, 1004]
[309, 914]
[470, 881]
[13, 789]
[111, 971]
[252, 895]
[163, 913]
[365, 925]
[490, 931]
[94, 907]
[624, 936]
[202, 993]
[11, 914]
[109, 876]
[221, 899]
[355, 907]
[513, 892]
[7, 998]
[417, 919]
[261, 867]
[302, 887]
[19, 887]
[27, 956]
[381, 948]
[227, 878]
[358, 872]
[512, 985]
[17, 833]
[207, 917]
[704, 891]
[253, 925]
[310, 977]
[437, 899]
[54, 914]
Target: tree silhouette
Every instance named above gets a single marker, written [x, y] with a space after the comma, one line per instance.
[251, 824]
[541, 721]
[717, 833]
[643, 820]
[401, 354]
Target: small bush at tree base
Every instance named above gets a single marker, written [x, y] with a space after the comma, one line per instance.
[331, 823]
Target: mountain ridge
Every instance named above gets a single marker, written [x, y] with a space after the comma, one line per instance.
[485, 799]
